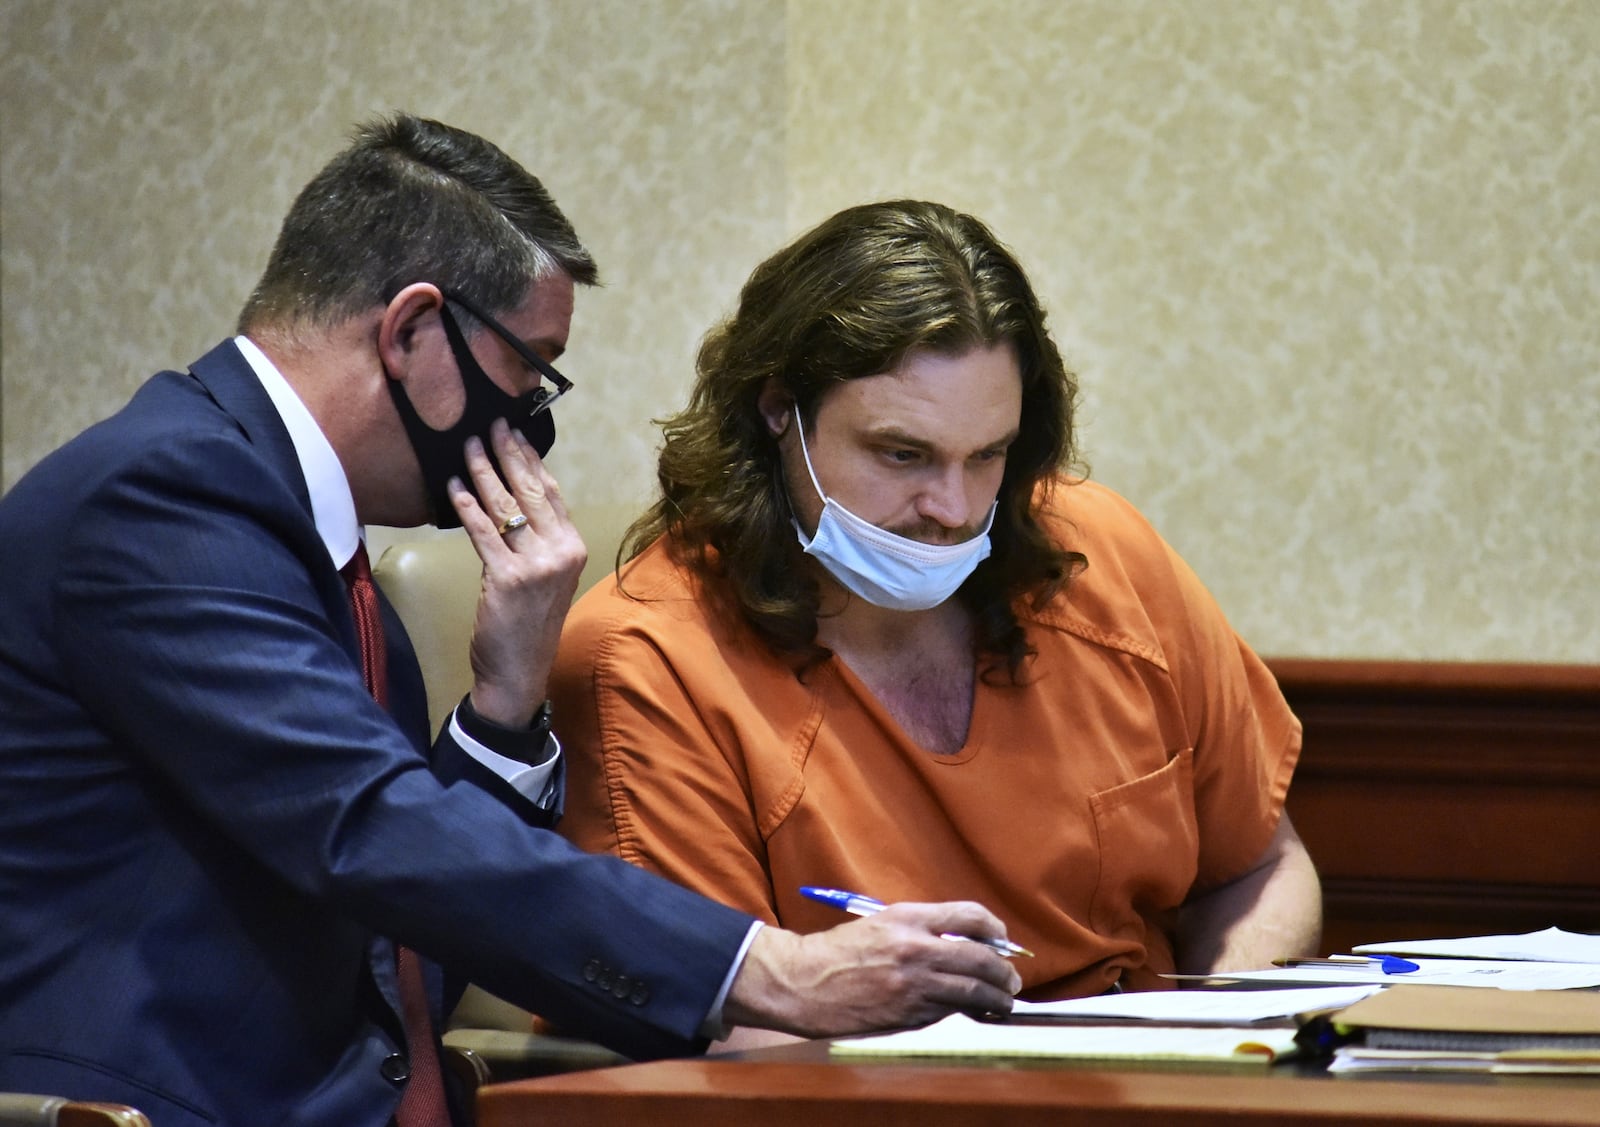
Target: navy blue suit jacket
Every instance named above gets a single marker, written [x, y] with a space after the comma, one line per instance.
[211, 836]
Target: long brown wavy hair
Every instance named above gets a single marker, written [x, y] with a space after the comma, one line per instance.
[850, 299]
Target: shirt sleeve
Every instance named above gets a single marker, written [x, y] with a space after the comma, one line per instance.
[528, 761]
[1246, 739]
[715, 1028]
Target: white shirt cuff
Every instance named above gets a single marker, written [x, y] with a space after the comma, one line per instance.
[531, 780]
[714, 1027]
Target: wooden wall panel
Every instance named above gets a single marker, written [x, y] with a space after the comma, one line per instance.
[1448, 799]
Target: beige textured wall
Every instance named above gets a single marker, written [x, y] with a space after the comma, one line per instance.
[1329, 271]
[1328, 268]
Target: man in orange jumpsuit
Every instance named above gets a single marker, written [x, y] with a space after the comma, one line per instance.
[878, 635]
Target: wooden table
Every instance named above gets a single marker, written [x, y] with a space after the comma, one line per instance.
[799, 1086]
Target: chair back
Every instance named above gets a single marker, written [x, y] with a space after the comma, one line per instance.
[26, 1109]
[433, 583]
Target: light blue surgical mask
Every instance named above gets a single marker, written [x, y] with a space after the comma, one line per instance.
[884, 568]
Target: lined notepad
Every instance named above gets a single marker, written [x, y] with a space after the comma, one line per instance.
[961, 1036]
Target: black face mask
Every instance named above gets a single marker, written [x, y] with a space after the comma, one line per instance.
[441, 453]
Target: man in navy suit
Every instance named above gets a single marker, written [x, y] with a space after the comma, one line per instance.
[215, 836]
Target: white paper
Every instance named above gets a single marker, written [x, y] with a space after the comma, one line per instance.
[961, 1036]
[1197, 1007]
[1501, 973]
[1552, 945]
[1355, 1059]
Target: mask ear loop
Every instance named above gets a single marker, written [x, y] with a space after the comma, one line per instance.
[458, 342]
[800, 427]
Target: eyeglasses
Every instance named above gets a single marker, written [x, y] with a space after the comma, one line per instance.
[540, 398]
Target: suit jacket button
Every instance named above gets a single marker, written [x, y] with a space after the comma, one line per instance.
[640, 995]
[621, 986]
[395, 1068]
[604, 981]
[591, 970]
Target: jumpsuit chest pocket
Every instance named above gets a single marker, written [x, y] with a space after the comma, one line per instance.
[1148, 846]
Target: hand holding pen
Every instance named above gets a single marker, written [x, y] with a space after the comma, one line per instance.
[888, 970]
[859, 905]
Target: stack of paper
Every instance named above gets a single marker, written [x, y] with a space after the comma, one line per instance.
[1506, 974]
[1552, 945]
[1543, 960]
[961, 1036]
[1537, 1022]
[1407, 1028]
[1242, 1027]
[1196, 1007]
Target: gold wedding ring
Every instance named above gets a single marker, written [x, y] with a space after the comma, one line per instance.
[512, 523]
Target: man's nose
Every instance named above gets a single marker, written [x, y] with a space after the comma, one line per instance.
[944, 500]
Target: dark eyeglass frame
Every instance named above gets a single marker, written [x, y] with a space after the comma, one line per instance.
[540, 398]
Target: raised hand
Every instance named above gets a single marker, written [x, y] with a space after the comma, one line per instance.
[532, 557]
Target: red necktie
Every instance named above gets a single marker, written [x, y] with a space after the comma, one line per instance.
[422, 1104]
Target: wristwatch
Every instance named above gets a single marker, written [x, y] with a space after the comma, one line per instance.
[527, 744]
[541, 723]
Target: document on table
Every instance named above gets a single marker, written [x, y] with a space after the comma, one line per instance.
[1558, 1016]
[1503, 973]
[961, 1036]
[1356, 1060]
[1552, 945]
[1445, 1030]
[1195, 1007]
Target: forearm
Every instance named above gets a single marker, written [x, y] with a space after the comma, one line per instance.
[1272, 911]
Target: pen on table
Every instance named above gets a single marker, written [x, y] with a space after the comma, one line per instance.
[1389, 964]
[859, 905]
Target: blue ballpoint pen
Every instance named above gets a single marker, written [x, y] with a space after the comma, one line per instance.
[1389, 964]
[859, 905]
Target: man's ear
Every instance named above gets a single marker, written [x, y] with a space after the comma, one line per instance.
[409, 328]
[776, 406]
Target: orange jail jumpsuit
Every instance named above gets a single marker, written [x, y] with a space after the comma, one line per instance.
[1144, 755]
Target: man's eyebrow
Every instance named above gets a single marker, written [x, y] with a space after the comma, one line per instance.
[895, 436]
[1006, 439]
[546, 348]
